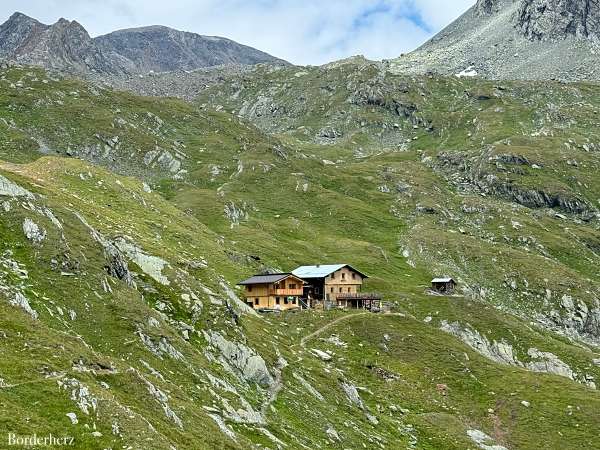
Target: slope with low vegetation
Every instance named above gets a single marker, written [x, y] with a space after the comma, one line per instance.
[128, 220]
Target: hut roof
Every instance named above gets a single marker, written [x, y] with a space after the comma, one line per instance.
[322, 270]
[443, 280]
[265, 279]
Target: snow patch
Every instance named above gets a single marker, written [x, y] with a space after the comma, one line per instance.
[469, 72]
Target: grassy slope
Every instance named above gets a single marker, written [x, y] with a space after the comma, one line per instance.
[450, 219]
[342, 216]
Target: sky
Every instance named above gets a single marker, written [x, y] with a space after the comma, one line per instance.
[299, 31]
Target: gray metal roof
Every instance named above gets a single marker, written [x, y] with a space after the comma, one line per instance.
[265, 279]
[442, 280]
[321, 271]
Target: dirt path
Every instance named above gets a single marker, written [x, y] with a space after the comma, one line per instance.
[341, 319]
[41, 380]
[329, 325]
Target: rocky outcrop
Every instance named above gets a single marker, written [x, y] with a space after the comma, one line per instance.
[535, 198]
[575, 319]
[233, 300]
[470, 172]
[33, 231]
[483, 441]
[306, 385]
[503, 353]
[546, 362]
[10, 189]
[383, 95]
[150, 265]
[352, 394]
[159, 347]
[80, 395]
[116, 265]
[161, 398]
[20, 301]
[236, 213]
[240, 359]
[557, 19]
[500, 352]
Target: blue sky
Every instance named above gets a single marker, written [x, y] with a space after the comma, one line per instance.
[301, 31]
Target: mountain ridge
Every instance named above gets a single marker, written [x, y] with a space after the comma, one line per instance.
[67, 46]
[514, 39]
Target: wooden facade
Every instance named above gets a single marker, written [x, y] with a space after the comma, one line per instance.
[273, 291]
[343, 281]
[319, 286]
[331, 284]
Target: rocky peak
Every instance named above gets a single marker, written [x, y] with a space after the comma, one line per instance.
[69, 44]
[485, 7]
[557, 19]
[70, 32]
[16, 32]
[19, 18]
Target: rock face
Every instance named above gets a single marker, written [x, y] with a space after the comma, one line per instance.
[484, 7]
[552, 19]
[67, 46]
[515, 39]
[240, 359]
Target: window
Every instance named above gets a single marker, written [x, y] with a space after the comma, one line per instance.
[292, 286]
[340, 290]
[256, 301]
[277, 300]
[343, 276]
[249, 288]
[294, 301]
[349, 290]
[353, 276]
[333, 276]
[331, 290]
[285, 301]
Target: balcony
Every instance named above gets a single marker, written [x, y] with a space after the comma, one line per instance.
[286, 292]
[357, 296]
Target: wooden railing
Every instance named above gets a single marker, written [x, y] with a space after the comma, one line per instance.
[286, 292]
[357, 296]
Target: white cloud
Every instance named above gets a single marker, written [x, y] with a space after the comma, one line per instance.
[301, 31]
[439, 13]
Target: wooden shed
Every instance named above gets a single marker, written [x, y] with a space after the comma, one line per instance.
[443, 285]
